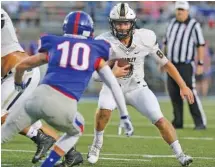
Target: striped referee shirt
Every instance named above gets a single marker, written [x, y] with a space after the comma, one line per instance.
[181, 40]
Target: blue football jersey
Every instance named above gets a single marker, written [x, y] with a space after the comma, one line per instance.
[71, 62]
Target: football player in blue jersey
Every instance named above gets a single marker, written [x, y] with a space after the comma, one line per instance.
[71, 58]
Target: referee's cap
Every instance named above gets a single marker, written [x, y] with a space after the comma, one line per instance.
[182, 5]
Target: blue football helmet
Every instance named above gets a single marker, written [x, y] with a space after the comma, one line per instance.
[78, 23]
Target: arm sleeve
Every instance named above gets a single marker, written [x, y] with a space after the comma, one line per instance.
[44, 44]
[156, 53]
[2, 20]
[198, 36]
[108, 78]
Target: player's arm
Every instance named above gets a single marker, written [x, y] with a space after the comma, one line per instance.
[167, 66]
[173, 72]
[28, 63]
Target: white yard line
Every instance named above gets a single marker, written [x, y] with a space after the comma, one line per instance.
[123, 159]
[124, 155]
[153, 137]
[148, 125]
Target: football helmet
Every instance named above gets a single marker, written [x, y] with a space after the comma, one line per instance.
[78, 23]
[121, 12]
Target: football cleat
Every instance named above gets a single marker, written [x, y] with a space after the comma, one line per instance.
[44, 143]
[93, 154]
[72, 158]
[185, 160]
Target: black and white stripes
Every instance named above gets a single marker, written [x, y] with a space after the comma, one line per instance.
[181, 40]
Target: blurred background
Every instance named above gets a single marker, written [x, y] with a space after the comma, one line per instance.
[32, 18]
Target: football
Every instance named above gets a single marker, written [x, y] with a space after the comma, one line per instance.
[121, 62]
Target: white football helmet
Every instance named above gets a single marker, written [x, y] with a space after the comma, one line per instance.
[121, 12]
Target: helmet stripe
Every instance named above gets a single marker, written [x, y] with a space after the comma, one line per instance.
[77, 18]
[122, 10]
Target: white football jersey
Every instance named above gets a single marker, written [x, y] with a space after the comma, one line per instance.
[9, 41]
[143, 43]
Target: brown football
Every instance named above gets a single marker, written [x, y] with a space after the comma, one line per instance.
[121, 62]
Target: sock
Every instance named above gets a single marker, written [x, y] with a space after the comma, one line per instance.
[51, 160]
[98, 138]
[176, 147]
[32, 132]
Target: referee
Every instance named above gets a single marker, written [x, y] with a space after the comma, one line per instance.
[183, 39]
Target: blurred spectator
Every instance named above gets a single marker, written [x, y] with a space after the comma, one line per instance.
[211, 21]
[11, 7]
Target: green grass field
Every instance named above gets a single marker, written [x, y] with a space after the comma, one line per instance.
[144, 149]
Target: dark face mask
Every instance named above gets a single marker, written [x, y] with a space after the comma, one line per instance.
[122, 34]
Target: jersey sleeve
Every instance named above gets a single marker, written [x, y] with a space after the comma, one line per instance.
[3, 18]
[198, 36]
[155, 51]
[45, 44]
[104, 49]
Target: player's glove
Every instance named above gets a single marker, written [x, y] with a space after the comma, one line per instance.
[127, 125]
[20, 87]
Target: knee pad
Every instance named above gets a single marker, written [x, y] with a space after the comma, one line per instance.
[37, 125]
[108, 104]
[159, 121]
[78, 124]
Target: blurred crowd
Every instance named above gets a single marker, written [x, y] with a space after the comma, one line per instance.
[29, 14]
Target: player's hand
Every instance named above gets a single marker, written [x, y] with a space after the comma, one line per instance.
[120, 71]
[19, 87]
[127, 125]
[188, 94]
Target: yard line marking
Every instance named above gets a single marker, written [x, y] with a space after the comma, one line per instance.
[173, 156]
[123, 159]
[148, 125]
[125, 155]
[25, 151]
[153, 137]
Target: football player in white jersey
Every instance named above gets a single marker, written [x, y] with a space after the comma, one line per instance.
[11, 99]
[134, 45]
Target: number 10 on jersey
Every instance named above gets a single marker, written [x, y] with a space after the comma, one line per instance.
[74, 55]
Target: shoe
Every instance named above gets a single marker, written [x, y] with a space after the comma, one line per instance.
[72, 158]
[185, 160]
[44, 143]
[200, 127]
[93, 154]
